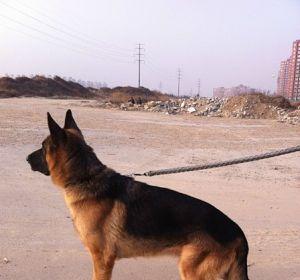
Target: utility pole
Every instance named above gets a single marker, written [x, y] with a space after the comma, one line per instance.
[139, 60]
[199, 85]
[178, 83]
[160, 86]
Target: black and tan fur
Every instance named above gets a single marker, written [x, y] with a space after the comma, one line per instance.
[118, 217]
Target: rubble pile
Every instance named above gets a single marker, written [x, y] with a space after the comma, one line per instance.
[196, 106]
[292, 117]
[252, 106]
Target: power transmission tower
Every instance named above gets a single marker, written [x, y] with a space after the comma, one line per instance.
[139, 60]
[178, 83]
[160, 86]
[199, 86]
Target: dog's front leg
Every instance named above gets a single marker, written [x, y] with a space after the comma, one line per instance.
[103, 258]
[103, 266]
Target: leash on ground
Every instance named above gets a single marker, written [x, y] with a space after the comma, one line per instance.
[219, 163]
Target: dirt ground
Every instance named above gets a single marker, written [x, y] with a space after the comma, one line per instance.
[36, 233]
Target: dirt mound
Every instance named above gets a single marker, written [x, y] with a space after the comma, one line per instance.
[60, 88]
[255, 105]
[119, 95]
[41, 86]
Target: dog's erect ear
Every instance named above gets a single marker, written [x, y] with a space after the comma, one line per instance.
[56, 132]
[70, 122]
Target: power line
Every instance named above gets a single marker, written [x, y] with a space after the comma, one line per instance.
[159, 71]
[152, 60]
[82, 49]
[61, 41]
[97, 41]
[51, 42]
[32, 36]
[69, 34]
[178, 81]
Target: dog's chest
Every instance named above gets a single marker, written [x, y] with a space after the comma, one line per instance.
[88, 216]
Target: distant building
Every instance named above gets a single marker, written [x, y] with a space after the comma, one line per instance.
[282, 80]
[288, 82]
[218, 92]
[226, 92]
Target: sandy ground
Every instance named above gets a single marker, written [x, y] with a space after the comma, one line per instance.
[36, 233]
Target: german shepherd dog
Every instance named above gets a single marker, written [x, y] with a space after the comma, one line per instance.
[118, 217]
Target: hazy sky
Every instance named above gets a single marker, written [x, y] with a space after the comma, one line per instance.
[224, 43]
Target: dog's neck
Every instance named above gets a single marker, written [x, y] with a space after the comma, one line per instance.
[105, 184]
[79, 170]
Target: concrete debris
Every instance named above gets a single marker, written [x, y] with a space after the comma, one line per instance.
[245, 107]
[191, 110]
[292, 117]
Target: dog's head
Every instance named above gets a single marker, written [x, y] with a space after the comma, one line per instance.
[58, 150]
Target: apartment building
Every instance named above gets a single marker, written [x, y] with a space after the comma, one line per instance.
[288, 82]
